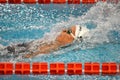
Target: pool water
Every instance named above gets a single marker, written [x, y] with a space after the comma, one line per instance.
[23, 23]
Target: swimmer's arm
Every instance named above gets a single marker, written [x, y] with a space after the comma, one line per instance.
[31, 55]
[44, 49]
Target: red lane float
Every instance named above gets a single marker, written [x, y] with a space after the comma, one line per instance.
[44, 1]
[3, 1]
[109, 68]
[73, 1]
[6, 68]
[22, 68]
[29, 1]
[59, 1]
[39, 68]
[56, 1]
[57, 68]
[74, 68]
[92, 68]
[14, 1]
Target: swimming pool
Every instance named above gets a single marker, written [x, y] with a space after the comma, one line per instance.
[23, 23]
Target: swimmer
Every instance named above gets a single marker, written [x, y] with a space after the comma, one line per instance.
[66, 37]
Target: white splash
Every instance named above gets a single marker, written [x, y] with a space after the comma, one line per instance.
[104, 15]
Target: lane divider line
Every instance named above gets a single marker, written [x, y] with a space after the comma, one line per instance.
[59, 68]
[55, 1]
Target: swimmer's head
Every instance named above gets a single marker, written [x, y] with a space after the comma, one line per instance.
[68, 31]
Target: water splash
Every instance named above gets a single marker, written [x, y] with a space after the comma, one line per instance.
[102, 18]
[107, 18]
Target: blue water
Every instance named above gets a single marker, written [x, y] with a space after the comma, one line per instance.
[23, 23]
[16, 20]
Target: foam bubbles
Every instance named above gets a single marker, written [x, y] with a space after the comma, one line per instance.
[104, 16]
